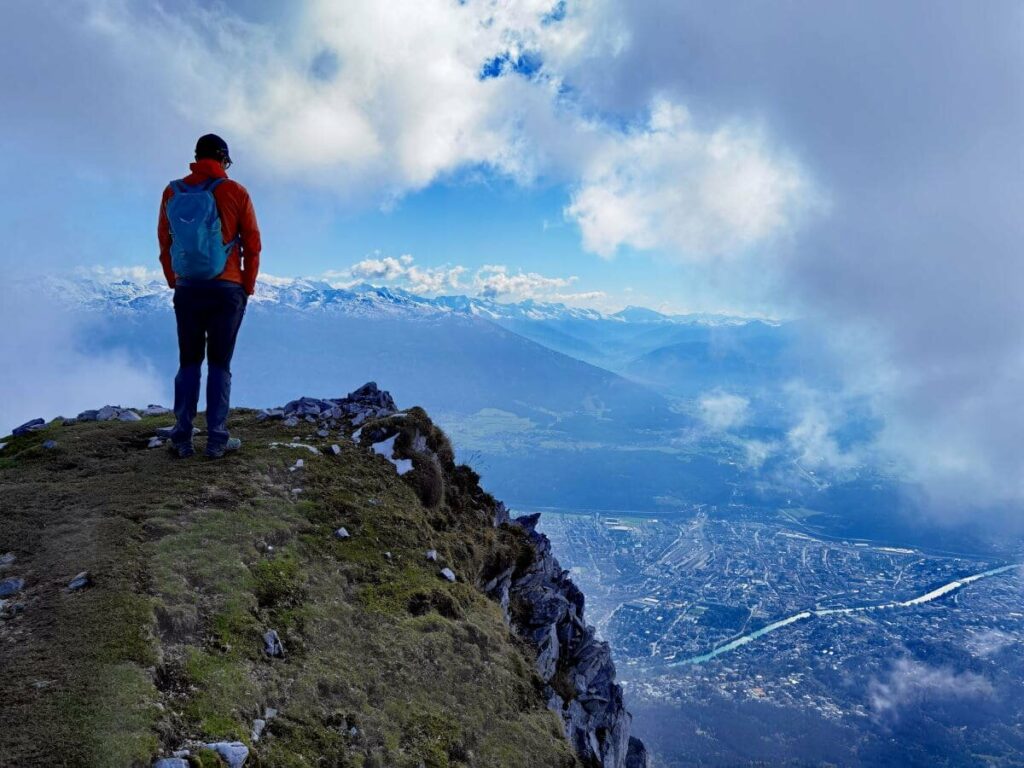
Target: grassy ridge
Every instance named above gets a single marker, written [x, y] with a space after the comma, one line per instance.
[386, 663]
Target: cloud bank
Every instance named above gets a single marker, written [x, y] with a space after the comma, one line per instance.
[912, 682]
[50, 365]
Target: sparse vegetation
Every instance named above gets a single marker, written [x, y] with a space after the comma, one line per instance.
[385, 663]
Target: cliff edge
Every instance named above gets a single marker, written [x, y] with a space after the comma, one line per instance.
[338, 593]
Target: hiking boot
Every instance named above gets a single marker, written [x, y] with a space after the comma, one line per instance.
[182, 450]
[217, 452]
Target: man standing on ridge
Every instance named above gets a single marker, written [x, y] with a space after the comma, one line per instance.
[210, 254]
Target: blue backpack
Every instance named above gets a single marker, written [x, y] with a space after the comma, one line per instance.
[198, 251]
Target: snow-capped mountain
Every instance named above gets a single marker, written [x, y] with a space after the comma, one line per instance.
[364, 299]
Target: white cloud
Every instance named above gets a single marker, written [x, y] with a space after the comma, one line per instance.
[910, 682]
[722, 411]
[989, 642]
[386, 268]
[757, 452]
[404, 104]
[812, 439]
[665, 184]
[135, 273]
[54, 370]
[495, 280]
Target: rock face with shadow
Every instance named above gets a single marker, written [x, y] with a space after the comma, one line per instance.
[543, 605]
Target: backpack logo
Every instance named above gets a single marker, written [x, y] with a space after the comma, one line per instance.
[198, 250]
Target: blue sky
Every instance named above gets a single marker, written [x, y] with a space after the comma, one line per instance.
[511, 167]
[855, 164]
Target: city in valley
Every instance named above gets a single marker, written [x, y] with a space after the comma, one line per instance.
[745, 636]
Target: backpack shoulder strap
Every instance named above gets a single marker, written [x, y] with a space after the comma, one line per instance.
[178, 186]
[212, 184]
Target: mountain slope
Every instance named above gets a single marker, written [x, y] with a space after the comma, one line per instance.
[385, 662]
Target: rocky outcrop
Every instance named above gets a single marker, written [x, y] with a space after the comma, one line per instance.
[365, 403]
[539, 600]
[543, 604]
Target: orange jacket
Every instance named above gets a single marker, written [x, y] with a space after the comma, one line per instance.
[237, 218]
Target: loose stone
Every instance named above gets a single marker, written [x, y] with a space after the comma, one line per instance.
[234, 753]
[272, 644]
[11, 586]
[81, 581]
[28, 426]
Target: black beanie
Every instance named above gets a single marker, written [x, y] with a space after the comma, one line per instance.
[213, 146]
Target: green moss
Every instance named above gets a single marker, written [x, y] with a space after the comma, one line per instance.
[194, 560]
[277, 582]
[223, 687]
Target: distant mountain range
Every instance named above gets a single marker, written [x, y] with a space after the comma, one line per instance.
[558, 405]
[366, 299]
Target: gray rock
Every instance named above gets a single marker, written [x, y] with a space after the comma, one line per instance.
[269, 713]
[170, 762]
[11, 586]
[291, 421]
[7, 559]
[299, 464]
[272, 644]
[370, 395]
[2, 446]
[342, 533]
[306, 406]
[68, 422]
[257, 728]
[107, 413]
[336, 450]
[448, 574]
[164, 431]
[595, 721]
[49, 444]
[155, 442]
[155, 410]
[636, 755]
[90, 415]
[432, 555]
[548, 652]
[322, 433]
[28, 426]
[127, 415]
[234, 753]
[81, 581]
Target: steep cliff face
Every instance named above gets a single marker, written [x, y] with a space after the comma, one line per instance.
[338, 591]
[544, 605]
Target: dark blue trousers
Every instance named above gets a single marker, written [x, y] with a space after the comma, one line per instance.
[209, 314]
